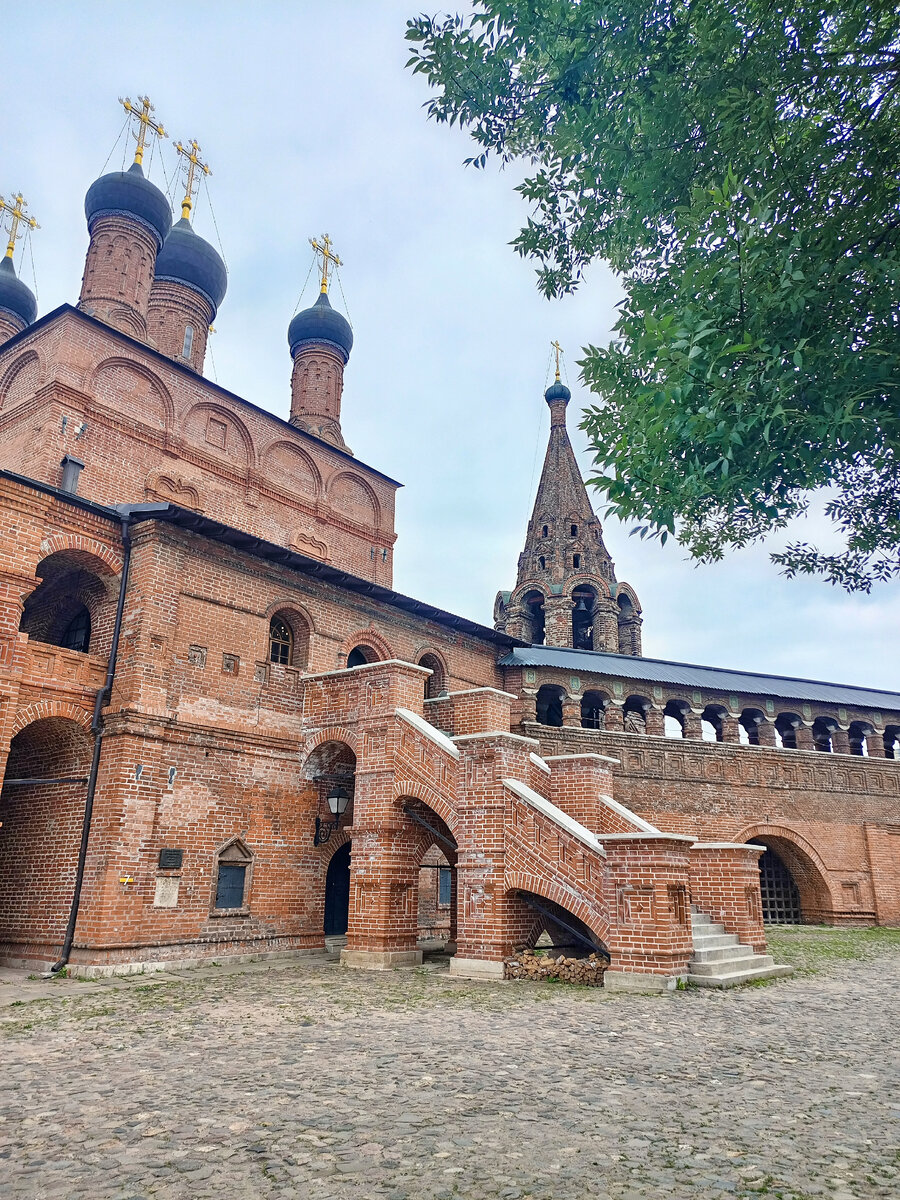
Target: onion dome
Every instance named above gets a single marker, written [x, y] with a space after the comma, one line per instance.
[15, 296]
[557, 391]
[321, 323]
[129, 194]
[189, 260]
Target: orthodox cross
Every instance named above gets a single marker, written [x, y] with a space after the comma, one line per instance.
[192, 165]
[558, 350]
[329, 258]
[17, 216]
[145, 124]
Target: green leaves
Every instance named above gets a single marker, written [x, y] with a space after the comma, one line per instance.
[739, 167]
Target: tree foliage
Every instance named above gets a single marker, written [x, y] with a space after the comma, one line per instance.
[737, 162]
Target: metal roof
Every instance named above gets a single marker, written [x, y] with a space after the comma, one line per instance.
[721, 679]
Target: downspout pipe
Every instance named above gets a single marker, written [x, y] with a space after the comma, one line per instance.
[100, 702]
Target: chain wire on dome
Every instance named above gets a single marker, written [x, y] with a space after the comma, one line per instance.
[115, 144]
[212, 213]
[337, 275]
[303, 289]
[30, 244]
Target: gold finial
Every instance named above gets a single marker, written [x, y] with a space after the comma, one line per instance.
[558, 349]
[17, 216]
[191, 153]
[145, 125]
[329, 258]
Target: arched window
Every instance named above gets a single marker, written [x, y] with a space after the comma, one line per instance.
[823, 727]
[634, 714]
[576, 561]
[857, 737]
[573, 530]
[435, 683]
[593, 710]
[188, 344]
[674, 718]
[712, 723]
[549, 705]
[583, 618]
[892, 741]
[281, 641]
[786, 726]
[360, 655]
[748, 726]
[77, 634]
[534, 606]
[542, 562]
[545, 532]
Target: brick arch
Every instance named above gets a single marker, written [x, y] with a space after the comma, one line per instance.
[58, 542]
[117, 362]
[290, 605]
[526, 589]
[366, 637]
[29, 359]
[333, 733]
[625, 589]
[337, 840]
[51, 708]
[279, 454]
[207, 408]
[808, 856]
[586, 579]
[358, 508]
[521, 881]
[409, 789]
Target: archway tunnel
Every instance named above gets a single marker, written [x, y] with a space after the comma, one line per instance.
[792, 888]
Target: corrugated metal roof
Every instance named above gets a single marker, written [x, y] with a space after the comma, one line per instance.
[721, 679]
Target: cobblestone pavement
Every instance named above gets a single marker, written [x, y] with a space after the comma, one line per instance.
[309, 1080]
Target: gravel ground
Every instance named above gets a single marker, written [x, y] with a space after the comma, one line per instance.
[309, 1080]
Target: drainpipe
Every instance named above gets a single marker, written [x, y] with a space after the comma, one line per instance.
[102, 699]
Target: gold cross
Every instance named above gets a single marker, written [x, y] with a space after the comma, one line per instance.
[329, 259]
[191, 153]
[146, 124]
[558, 348]
[17, 216]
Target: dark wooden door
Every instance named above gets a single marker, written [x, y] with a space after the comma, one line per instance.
[337, 892]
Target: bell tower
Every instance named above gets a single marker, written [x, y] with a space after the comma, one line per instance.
[566, 591]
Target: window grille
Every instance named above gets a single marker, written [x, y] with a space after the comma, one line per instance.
[444, 885]
[780, 898]
[77, 634]
[281, 642]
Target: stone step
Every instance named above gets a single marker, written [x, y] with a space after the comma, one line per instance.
[729, 979]
[707, 930]
[737, 962]
[714, 940]
[735, 951]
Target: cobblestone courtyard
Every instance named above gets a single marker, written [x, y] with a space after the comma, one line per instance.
[310, 1080]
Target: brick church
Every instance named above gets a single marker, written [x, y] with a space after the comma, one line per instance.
[223, 733]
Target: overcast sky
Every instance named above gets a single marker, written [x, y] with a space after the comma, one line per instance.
[311, 123]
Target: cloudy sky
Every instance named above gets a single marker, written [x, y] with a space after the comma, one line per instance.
[311, 123]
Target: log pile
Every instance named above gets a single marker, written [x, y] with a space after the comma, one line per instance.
[528, 964]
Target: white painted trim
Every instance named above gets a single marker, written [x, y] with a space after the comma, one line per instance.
[539, 762]
[563, 757]
[498, 733]
[429, 731]
[727, 845]
[646, 837]
[555, 814]
[382, 662]
[472, 692]
[622, 811]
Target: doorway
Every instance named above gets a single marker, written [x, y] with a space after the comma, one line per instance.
[337, 893]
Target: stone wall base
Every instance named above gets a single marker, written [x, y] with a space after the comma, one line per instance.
[637, 981]
[380, 960]
[109, 970]
[476, 968]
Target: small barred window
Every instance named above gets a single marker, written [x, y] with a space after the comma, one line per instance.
[281, 641]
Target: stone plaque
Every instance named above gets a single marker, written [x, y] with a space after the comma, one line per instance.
[166, 891]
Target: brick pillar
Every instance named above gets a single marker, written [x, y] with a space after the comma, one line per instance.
[731, 730]
[529, 707]
[606, 625]
[647, 885]
[317, 383]
[518, 623]
[558, 621]
[656, 721]
[571, 710]
[578, 782]
[692, 726]
[805, 740]
[840, 741]
[766, 733]
[118, 273]
[614, 718]
[875, 745]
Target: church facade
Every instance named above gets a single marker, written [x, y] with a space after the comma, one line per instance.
[223, 733]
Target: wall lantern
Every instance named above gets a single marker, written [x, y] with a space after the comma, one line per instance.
[338, 799]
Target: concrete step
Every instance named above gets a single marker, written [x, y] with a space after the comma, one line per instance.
[729, 979]
[714, 940]
[707, 929]
[733, 951]
[745, 961]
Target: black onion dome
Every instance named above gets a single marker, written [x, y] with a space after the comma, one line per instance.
[186, 258]
[321, 323]
[15, 296]
[557, 391]
[129, 193]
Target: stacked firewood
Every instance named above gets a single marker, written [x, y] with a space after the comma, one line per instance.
[535, 965]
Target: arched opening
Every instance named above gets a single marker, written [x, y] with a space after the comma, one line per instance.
[892, 741]
[674, 718]
[330, 770]
[549, 705]
[857, 734]
[748, 726]
[436, 893]
[71, 606]
[436, 683]
[712, 723]
[544, 925]
[792, 887]
[533, 603]
[629, 625]
[360, 655]
[289, 639]
[585, 600]
[786, 726]
[593, 710]
[634, 714]
[433, 853]
[823, 728]
[337, 892]
[41, 831]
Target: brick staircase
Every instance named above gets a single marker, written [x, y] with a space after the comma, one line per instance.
[721, 961]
